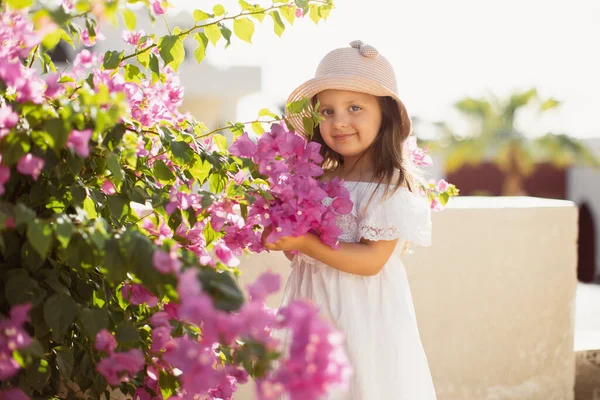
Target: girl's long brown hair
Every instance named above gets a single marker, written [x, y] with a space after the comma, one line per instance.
[387, 149]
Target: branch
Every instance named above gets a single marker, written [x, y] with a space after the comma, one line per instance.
[233, 125]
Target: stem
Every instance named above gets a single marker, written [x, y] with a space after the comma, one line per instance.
[195, 27]
[167, 23]
[33, 56]
[231, 126]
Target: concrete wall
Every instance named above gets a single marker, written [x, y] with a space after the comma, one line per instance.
[494, 298]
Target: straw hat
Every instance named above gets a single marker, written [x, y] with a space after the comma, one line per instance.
[358, 68]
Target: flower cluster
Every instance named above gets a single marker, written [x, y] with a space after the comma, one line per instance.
[291, 165]
[117, 367]
[13, 337]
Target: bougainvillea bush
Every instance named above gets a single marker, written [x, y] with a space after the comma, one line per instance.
[122, 219]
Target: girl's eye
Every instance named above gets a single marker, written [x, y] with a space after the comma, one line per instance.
[326, 113]
[355, 108]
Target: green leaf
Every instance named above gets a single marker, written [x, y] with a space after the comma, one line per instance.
[130, 19]
[19, 4]
[23, 214]
[154, 67]
[324, 11]
[39, 234]
[114, 263]
[64, 361]
[218, 10]
[289, 14]
[30, 258]
[226, 32]
[89, 206]
[222, 288]
[245, 5]
[244, 29]
[278, 25]
[200, 15]
[162, 172]
[200, 52]
[63, 229]
[59, 314]
[315, 13]
[265, 112]
[58, 134]
[217, 183]
[549, 104]
[112, 59]
[114, 166]
[37, 375]
[444, 197]
[296, 107]
[20, 289]
[257, 128]
[14, 146]
[118, 206]
[200, 170]
[171, 50]
[220, 141]
[213, 33]
[93, 320]
[127, 333]
[182, 153]
[132, 73]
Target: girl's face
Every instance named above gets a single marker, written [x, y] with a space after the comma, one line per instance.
[352, 121]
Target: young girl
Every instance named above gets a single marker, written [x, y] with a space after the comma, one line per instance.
[362, 286]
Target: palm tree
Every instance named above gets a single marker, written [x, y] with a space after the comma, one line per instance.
[497, 139]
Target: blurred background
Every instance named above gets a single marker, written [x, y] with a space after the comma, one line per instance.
[505, 94]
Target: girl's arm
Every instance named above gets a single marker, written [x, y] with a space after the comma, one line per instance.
[365, 258]
[288, 255]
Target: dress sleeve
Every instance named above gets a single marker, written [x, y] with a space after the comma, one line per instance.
[403, 215]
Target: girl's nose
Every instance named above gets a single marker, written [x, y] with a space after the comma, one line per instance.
[340, 121]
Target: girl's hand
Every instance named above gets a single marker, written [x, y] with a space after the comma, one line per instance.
[285, 243]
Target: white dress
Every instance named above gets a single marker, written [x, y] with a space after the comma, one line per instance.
[375, 313]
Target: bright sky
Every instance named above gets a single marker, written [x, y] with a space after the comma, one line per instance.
[442, 51]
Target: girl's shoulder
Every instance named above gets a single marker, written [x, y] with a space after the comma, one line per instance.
[387, 214]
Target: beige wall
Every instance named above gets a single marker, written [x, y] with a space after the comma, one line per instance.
[494, 298]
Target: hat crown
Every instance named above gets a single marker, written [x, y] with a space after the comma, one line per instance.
[358, 61]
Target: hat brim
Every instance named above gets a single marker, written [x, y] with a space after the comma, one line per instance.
[314, 86]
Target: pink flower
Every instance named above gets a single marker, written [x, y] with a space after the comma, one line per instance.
[225, 255]
[243, 147]
[299, 13]
[30, 165]
[84, 60]
[118, 366]
[13, 337]
[108, 188]
[268, 283]
[13, 394]
[67, 5]
[132, 37]
[166, 262]
[159, 6]
[105, 342]
[436, 205]
[53, 88]
[442, 186]
[79, 141]
[90, 41]
[8, 119]
[417, 155]
[136, 294]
